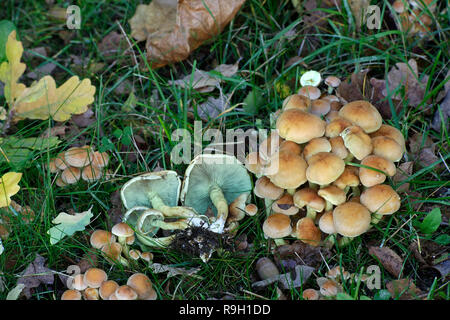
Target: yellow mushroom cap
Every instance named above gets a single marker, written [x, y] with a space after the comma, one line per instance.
[348, 178]
[122, 229]
[78, 282]
[315, 146]
[326, 223]
[296, 101]
[253, 163]
[308, 197]
[141, 284]
[290, 146]
[338, 147]
[125, 293]
[107, 288]
[332, 194]
[357, 142]
[285, 205]
[363, 114]
[90, 294]
[91, 173]
[264, 188]
[251, 209]
[78, 156]
[277, 226]
[71, 175]
[100, 159]
[381, 199]
[94, 277]
[112, 251]
[71, 295]
[311, 92]
[310, 294]
[387, 147]
[390, 132]
[307, 232]
[332, 81]
[288, 170]
[351, 219]
[336, 126]
[320, 107]
[324, 168]
[99, 238]
[299, 126]
[369, 177]
[60, 161]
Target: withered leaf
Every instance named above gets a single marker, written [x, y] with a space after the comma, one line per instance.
[441, 117]
[391, 261]
[355, 89]
[34, 275]
[172, 33]
[404, 171]
[213, 107]
[403, 289]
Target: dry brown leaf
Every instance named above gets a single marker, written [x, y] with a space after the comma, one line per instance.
[389, 259]
[213, 107]
[35, 275]
[173, 33]
[404, 171]
[357, 88]
[439, 121]
[403, 289]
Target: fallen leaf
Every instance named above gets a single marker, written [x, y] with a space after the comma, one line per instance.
[85, 119]
[289, 280]
[15, 292]
[299, 253]
[403, 289]
[404, 171]
[44, 70]
[427, 157]
[390, 260]
[9, 186]
[174, 271]
[34, 275]
[173, 32]
[357, 88]
[114, 46]
[213, 107]
[68, 224]
[442, 114]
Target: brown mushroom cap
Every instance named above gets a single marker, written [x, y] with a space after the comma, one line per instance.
[288, 170]
[351, 219]
[78, 156]
[324, 168]
[60, 161]
[329, 288]
[326, 223]
[94, 277]
[296, 101]
[285, 205]
[332, 115]
[307, 232]
[125, 293]
[315, 146]
[338, 147]
[60, 183]
[91, 173]
[332, 81]
[277, 226]
[52, 166]
[362, 114]
[236, 210]
[253, 163]
[112, 251]
[390, 132]
[71, 175]
[332, 194]
[357, 142]
[398, 6]
[78, 282]
[141, 284]
[147, 256]
[310, 294]
[330, 98]
[269, 146]
[90, 294]
[311, 92]
[71, 295]
[381, 199]
[369, 177]
[290, 146]
[387, 147]
[264, 188]
[99, 238]
[308, 197]
[320, 107]
[122, 229]
[336, 126]
[348, 178]
[100, 159]
[251, 209]
[107, 288]
[299, 126]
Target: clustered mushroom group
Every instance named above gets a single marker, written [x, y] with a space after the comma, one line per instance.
[94, 285]
[330, 160]
[414, 16]
[79, 163]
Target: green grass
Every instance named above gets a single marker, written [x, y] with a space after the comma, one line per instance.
[263, 36]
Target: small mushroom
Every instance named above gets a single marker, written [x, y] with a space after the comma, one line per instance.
[90, 294]
[299, 126]
[125, 293]
[94, 277]
[332, 82]
[296, 101]
[71, 294]
[307, 232]
[380, 200]
[141, 284]
[357, 142]
[251, 209]
[351, 219]
[369, 173]
[310, 92]
[71, 175]
[310, 294]
[99, 238]
[324, 168]
[362, 114]
[333, 196]
[285, 205]
[277, 226]
[78, 156]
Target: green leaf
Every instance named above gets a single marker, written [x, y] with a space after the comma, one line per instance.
[382, 295]
[443, 239]
[431, 222]
[253, 101]
[15, 292]
[344, 296]
[6, 27]
[68, 224]
[364, 298]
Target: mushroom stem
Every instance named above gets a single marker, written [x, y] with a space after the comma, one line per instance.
[123, 243]
[355, 191]
[313, 186]
[328, 206]
[221, 204]
[291, 191]
[268, 204]
[158, 204]
[376, 217]
[280, 242]
[310, 213]
[344, 241]
[175, 225]
[162, 242]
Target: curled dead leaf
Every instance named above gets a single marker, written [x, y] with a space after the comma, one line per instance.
[389, 259]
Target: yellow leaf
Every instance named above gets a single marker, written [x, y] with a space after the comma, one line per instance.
[9, 186]
[44, 100]
[12, 69]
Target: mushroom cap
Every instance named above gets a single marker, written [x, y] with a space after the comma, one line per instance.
[308, 197]
[387, 147]
[78, 282]
[141, 284]
[290, 146]
[112, 251]
[277, 226]
[264, 188]
[310, 78]
[94, 277]
[285, 205]
[398, 6]
[299, 126]
[311, 92]
[60, 183]
[348, 178]
[210, 170]
[78, 156]
[332, 115]
[390, 132]
[125, 293]
[326, 223]
[332, 81]
[71, 294]
[307, 232]
[338, 147]
[381, 199]
[363, 114]
[251, 209]
[370, 177]
[122, 229]
[324, 168]
[296, 101]
[329, 288]
[310, 294]
[332, 194]
[60, 161]
[316, 145]
[90, 294]
[100, 159]
[71, 175]
[52, 166]
[147, 256]
[134, 254]
[236, 209]
[330, 98]
[351, 219]
[91, 173]
[288, 170]
[101, 237]
[357, 142]
[320, 107]
[336, 126]
[165, 183]
[107, 288]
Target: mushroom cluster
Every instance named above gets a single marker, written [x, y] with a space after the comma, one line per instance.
[414, 16]
[94, 285]
[330, 160]
[79, 163]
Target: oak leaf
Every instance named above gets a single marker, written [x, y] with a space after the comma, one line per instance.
[9, 186]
